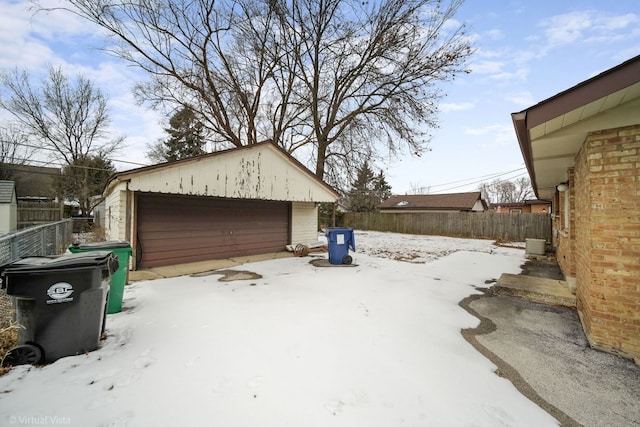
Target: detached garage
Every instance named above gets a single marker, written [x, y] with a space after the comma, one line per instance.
[244, 201]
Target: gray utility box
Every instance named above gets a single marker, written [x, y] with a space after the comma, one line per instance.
[535, 246]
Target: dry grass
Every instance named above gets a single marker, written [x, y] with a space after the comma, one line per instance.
[8, 340]
[98, 234]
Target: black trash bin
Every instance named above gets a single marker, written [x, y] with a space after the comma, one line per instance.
[60, 304]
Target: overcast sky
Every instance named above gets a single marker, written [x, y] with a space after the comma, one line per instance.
[525, 52]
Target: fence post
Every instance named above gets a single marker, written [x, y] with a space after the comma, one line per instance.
[14, 248]
[58, 244]
[43, 241]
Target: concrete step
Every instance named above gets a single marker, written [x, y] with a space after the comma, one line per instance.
[537, 289]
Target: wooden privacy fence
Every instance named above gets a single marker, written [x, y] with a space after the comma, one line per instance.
[37, 213]
[474, 225]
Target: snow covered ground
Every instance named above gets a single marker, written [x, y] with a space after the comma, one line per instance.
[377, 344]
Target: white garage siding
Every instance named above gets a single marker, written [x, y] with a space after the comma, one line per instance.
[304, 222]
[260, 172]
[115, 214]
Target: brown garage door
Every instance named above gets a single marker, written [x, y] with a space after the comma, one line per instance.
[178, 229]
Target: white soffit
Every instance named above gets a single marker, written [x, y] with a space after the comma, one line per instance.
[586, 111]
[555, 142]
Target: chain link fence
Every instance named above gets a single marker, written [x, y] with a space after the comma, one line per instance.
[43, 240]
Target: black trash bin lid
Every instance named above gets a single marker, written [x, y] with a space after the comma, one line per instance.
[111, 244]
[81, 259]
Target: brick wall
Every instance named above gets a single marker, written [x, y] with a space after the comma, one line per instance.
[606, 231]
[564, 239]
[539, 208]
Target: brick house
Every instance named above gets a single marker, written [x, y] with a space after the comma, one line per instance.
[582, 150]
[528, 206]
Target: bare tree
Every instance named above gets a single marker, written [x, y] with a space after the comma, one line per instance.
[68, 120]
[83, 179]
[342, 77]
[507, 191]
[213, 57]
[156, 151]
[417, 188]
[371, 69]
[14, 150]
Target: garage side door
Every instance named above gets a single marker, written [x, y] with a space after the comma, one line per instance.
[179, 229]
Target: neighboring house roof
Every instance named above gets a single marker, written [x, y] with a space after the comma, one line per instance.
[258, 171]
[453, 202]
[552, 132]
[34, 182]
[7, 191]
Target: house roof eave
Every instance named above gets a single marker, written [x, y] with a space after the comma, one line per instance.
[563, 123]
[522, 134]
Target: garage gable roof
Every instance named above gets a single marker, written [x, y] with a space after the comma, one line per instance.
[260, 171]
[552, 132]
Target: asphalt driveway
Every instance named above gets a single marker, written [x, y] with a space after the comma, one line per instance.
[542, 349]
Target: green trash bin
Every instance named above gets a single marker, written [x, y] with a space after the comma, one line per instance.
[122, 249]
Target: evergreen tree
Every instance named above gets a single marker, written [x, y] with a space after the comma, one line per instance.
[368, 190]
[186, 136]
[382, 188]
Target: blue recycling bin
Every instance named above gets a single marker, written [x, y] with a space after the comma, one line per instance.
[339, 240]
